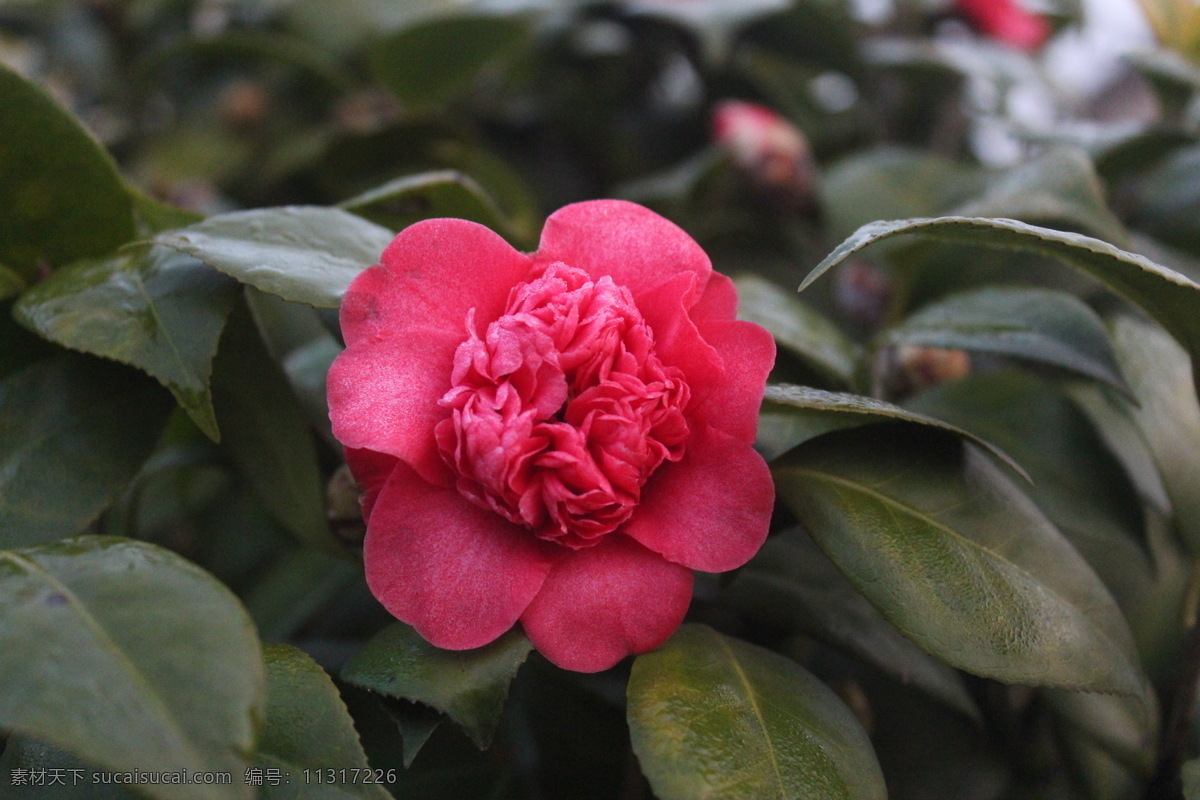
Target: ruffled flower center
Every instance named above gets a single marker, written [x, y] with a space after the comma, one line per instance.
[562, 410]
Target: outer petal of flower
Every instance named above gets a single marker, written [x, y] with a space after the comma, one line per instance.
[711, 510]
[719, 301]
[430, 276]
[603, 603]
[732, 404]
[458, 574]
[637, 247]
[677, 341]
[370, 470]
[384, 397]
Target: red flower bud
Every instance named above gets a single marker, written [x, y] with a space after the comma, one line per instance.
[766, 146]
[1006, 21]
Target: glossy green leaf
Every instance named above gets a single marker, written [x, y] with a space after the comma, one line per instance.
[1058, 189]
[131, 658]
[1112, 418]
[10, 283]
[1169, 200]
[300, 342]
[890, 183]
[308, 728]
[154, 216]
[416, 723]
[440, 193]
[62, 196]
[798, 327]
[1169, 297]
[1167, 413]
[1076, 480]
[711, 716]
[435, 61]
[790, 582]
[296, 587]
[821, 411]
[73, 432]
[1035, 324]
[1121, 726]
[468, 685]
[266, 435]
[957, 558]
[300, 253]
[152, 308]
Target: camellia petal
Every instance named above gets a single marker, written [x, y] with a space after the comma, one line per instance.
[458, 574]
[370, 470]
[710, 511]
[676, 337]
[601, 604]
[719, 301]
[635, 246]
[430, 276]
[407, 376]
[748, 354]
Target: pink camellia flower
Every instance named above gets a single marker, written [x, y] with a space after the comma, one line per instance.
[767, 147]
[557, 438]
[1006, 21]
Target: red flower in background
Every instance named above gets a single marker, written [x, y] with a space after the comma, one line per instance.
[557, 438]
[767, 147]
[1006, 21]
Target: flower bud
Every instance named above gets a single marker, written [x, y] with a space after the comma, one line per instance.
[767, 147]
[1006, 21]
[922, 367]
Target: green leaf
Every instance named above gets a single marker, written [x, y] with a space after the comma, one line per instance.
[73, 432]
[300, 342]
[266, 435]
[714, 717]
[957, 558]
[439, 193]
[798, 327]
[154, 216]
[821, 411]
[1121, 726]
[62, 196]
[308, 728]
[295, 587]
[1167, 413]
[131, 658]
[1170, 200]
[892, 182]
[1076, 480]
[1058, 189]
[790, 582]
[151, 308]
[301, 253]
[1169, 297]
[1035, 324]
[23, 753]
[468, 685]
[10, 283]
[433, 62]
[416, 723]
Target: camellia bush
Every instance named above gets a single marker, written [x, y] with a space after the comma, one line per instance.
[739, 399]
